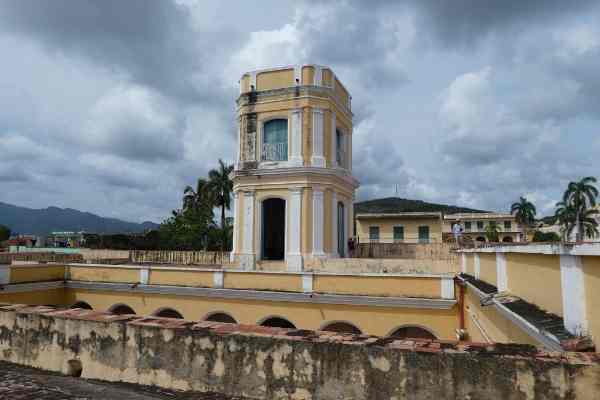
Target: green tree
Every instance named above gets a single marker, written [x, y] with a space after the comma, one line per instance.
[492, 232]
[4, 233]
[524, 212]
[539, 236]
[577, 206]
[221, 186]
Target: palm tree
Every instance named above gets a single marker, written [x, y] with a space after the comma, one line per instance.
[580, 197]
[220, 186]
[524, 212]
[492, 232]
[195, 198]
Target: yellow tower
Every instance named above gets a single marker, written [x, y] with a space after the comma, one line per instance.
[293, 184]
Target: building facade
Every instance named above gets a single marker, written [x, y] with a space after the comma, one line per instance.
[475, 225]
[293, 184]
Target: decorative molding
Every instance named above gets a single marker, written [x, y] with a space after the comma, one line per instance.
[298, 75]
[447, 287]
[317, 159]
[333, 139]
[218, 279]
[318, 222]
[295, 150]
[294, 297]
[4, 274]
[573, 295]
[501, 274]
[334, 225]
[307, 283]
[144, 275]
[294, 257]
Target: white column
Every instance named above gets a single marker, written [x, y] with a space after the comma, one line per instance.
[333, 142]
[317, 159]
[236, 225]
[447, 287]
[573, 295]
[247, 258]
[476, 265]
[318, 76]
[298, 74]
[296, 138]
[294, 256]
[318, 222]
[463, 262]
[334, 225]
[501, 276]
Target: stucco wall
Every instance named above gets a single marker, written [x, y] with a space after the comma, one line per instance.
[386, 228]
[527, 273]
[262, 363]
[591, 270]
[487, 268]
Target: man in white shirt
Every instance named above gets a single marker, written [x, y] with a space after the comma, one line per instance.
[457, 230]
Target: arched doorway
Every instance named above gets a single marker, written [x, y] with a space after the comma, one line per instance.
[507, 239]
[480, 239]
[341, 327]
[277, 322]
[167, 312]
[121, 309]
[273, 229]
[220, 317]
[412, 331]
[83, 305]
[341, 230]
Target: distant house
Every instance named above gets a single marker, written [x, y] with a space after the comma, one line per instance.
[393, 219]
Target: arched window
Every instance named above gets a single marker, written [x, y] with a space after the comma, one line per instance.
[341, 327]
[507, 239]
[121, 309]
[82, 305]
[220, 317]
[277, 322]
[167, 312]
[414, 332]
[275, 140]
[480, 239]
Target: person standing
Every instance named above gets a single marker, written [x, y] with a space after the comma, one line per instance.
[457, 231]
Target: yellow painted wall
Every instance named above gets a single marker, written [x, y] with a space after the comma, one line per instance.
[181, 278]
[307, 118]
[104, 274]
[308, 75]
[470, 263]
[274, 282]
[386, 228]
[340, 92]
[591, 271]
[36, 273]
[275, 79]
[498, 328]
[398, 286]
[372, 320]
[327, 77]
[487, 271]
[39, 297]
[536, 278]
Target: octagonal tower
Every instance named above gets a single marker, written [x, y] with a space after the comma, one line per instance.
[293, 184]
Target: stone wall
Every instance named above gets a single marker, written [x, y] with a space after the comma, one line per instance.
[381, 265]
[273, 363]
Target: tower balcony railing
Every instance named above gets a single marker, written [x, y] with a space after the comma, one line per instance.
[274, 152]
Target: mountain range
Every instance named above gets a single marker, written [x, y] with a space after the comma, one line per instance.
[41, 222]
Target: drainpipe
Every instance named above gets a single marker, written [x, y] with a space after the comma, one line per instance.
[461, 333]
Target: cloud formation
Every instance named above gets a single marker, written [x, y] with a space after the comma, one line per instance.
[113, 107]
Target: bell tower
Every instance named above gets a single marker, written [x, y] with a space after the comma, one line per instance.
[293, 184]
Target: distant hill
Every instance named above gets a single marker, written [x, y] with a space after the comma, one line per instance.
[390, 205]
[43, 221]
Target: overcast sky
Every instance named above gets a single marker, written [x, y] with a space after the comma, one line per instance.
[114, 106]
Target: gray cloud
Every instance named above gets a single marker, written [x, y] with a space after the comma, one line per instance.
[114, 107]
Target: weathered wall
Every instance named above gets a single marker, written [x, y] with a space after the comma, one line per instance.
[379, 265]
[267, 363]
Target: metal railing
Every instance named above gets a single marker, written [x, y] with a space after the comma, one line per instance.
[274, 151]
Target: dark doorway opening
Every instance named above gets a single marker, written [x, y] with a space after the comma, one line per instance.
[413, 332]
[221, 317]
[341, 230]
[273, 229]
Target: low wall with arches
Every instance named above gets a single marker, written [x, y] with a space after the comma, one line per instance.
[279, 363]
